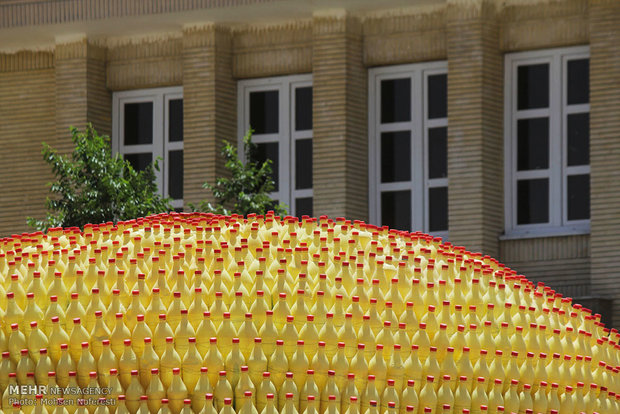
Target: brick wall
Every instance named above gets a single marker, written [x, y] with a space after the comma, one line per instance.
[209, 105]
[340, 170]
[605, 148]
[475, 140]
[27, 105]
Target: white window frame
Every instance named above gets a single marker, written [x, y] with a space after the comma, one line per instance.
[558, 170]
[418, 126]
[286, 137]
[160, 97]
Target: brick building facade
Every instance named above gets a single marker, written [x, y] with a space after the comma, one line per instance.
[495, 124]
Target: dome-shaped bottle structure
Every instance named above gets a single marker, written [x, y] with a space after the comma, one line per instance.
[222, 314]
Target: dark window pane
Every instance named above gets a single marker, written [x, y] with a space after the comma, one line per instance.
[175, 174]
[269, 151]
[533, 144]
[578, 188]
[533, 201]
[303, 108]
[303, 206]
[303, 163]
[533, 86]
[437, 153]
[396, 209]
[395, 156]
[438, 209]
[578, 136]
[138, 126]
[139, 161]
[578, 82]
[264, 111]
[175, 120]
[437, 96]
[395, 100]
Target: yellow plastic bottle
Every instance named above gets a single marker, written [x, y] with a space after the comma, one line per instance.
[378, 367]
[479, 395]
[176, 392]
[85, 365]
[247, 333]
[270, 407]
[65, 364]
[208, 407]
[462, 397]
[32, 312]
[222, 391]
[243, 386]
[24, 366]
[107, 361]
[390, 395]
[170, 359]
[133, 393]
[205, 331]
[329, 335]
[147, 362]
[511, 397]
[36, 341]
[409, 398]
[127, 362]
[139, 332]
[155, 391]
[396, 369]
[227, 406]
[118, 335]
[43, 366]
[369, 394]
[330, 395]
[225, 333]
[214, 361]
[310, 335]
[540, 399]
[288, 387]
[496, 397]
[428, 396]
[200, 390]
[183, 332]
[319, 309]
[265, 389]
[233, 363]
[566, 400]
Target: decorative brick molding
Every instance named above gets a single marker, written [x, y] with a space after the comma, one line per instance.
[25, 61]
[544, 24]
[416, 36]
[34, 13]
[145, 64]
[283, 49]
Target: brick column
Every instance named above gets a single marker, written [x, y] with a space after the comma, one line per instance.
[605, 149]
[475, 143]
[340, 175]
[209, 106]
[81, 94]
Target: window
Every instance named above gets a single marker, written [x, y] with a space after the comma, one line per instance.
[148, 124]
[279, 110]
[408, 153]
[547, 142]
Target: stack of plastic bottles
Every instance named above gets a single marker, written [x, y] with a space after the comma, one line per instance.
[198, 313]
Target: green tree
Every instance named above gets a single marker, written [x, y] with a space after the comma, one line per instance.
[247, 190]
[94, 186]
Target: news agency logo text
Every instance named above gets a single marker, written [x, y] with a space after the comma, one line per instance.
[15, 389]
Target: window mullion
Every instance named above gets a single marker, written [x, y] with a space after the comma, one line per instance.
[419, 203]
[556, 134]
